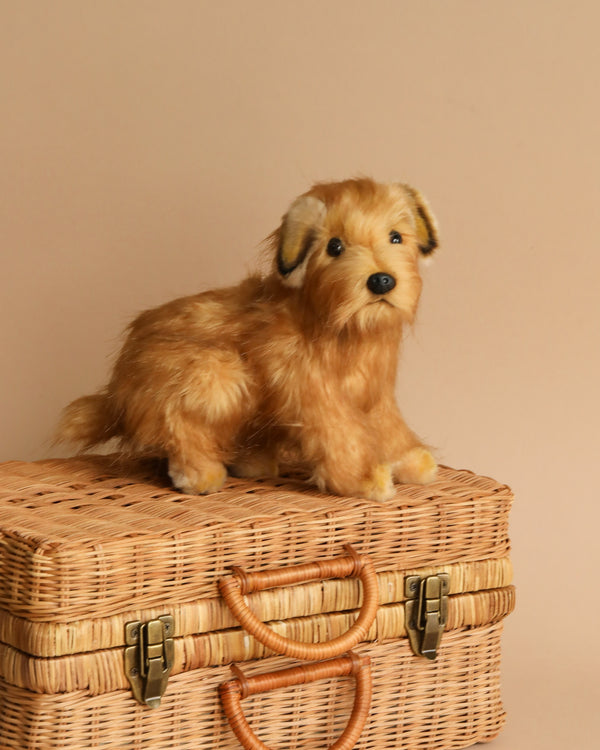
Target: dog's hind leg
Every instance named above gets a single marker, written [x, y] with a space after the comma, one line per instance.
[195, 467]
[257, 464]
[204, 418]
[258, 452]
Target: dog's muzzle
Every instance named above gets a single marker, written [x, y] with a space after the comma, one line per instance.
[381, 283]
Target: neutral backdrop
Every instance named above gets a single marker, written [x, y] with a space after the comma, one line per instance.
[148, 147]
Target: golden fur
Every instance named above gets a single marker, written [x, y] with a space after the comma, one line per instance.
[296, 367]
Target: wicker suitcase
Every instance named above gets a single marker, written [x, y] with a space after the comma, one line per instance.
[267, 615]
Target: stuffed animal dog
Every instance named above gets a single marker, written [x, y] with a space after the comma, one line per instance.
[296, 367]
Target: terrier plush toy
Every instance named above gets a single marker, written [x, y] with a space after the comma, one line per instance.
[293, 368]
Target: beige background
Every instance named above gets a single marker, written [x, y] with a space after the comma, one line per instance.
[148, 147]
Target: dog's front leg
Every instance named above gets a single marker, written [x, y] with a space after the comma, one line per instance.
[416, 466]
[338, 473]
[343, 455]
[411, 461]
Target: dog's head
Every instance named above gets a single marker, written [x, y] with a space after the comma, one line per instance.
[351, 250]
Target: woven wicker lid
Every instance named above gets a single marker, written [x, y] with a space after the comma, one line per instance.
[84, 537]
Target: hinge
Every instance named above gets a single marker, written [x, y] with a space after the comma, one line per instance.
[426, 612]
[149, 658]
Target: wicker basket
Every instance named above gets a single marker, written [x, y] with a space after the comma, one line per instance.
[308, 594]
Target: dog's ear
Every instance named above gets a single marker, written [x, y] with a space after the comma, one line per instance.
[297, 234]
[426, 225]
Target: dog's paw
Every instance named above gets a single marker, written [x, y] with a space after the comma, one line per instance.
[380, 485]
[198, 481]
[417, 466]
[257, 465]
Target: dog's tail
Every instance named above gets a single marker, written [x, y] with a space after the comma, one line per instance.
[87, 421]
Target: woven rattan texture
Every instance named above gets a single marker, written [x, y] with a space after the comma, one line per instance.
[450, 703]
[102, 671]
[79, 536]
[47, 639]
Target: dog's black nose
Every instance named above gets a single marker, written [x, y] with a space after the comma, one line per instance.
[381, 283]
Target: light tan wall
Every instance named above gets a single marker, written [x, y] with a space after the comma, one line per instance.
[148, 147]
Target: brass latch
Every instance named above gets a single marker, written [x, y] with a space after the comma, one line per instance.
[149, 658]
[426, 612]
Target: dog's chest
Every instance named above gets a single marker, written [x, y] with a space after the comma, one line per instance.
[301, 375]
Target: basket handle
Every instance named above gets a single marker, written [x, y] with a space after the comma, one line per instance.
[234, 587]
[235, 690]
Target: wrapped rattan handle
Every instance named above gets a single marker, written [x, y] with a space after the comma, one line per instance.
[235, 690]
[234, 587]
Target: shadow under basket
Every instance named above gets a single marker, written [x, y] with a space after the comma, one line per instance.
[265, 616]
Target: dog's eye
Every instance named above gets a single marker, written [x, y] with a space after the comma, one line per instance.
[395, 237]
[335, 247]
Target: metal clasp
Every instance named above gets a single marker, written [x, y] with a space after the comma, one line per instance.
[149, 658]
[426, 612]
